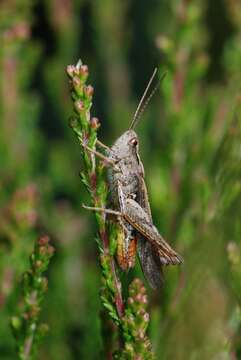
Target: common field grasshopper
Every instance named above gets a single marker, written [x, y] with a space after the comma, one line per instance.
[130, 205]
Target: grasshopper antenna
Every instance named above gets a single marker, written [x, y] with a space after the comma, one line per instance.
[143, 103]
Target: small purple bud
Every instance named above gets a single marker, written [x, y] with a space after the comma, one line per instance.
[94, 123]
[138, 298]
[51, 250]
[31, 192]
[89, 90]
[142, 289]
[76, 82]
[84, 71]
[79, 106]
[44, 240]
[144, 299]
[140, 313]
[146, 317]
[130, 301]
[70, 70]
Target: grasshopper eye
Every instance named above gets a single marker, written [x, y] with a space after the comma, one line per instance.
[134, 141]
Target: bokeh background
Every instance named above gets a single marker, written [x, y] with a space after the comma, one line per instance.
[190, 145]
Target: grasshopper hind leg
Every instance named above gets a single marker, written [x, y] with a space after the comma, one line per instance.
[142, 223]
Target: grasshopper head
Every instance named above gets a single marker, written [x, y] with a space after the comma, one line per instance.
[126, 145]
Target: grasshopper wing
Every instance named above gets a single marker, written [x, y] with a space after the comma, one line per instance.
[140, 220]
[150, 262]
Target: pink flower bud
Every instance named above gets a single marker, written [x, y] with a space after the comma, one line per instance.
[94, 123]
[51, 250]
[142, 289]
[76, 82]
[89, 90]
[44, 240]
[146, 317]
[130, 301]
[144, 299]
[70, 70]
[84, 71]
[79, 106]
[138, 298]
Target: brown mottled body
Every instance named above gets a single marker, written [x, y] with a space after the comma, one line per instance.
[129, 196]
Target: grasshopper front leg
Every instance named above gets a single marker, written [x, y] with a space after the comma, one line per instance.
[104, 158]
[103, 146]
[104, 210]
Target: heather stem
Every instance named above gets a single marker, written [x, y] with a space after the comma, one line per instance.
[86, 128]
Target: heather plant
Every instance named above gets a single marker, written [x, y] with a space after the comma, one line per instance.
[129, 316]
[189, 145]
[26, 327]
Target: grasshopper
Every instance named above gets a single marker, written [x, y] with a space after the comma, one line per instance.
[130, 205]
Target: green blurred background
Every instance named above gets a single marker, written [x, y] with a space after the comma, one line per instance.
[190, 145]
